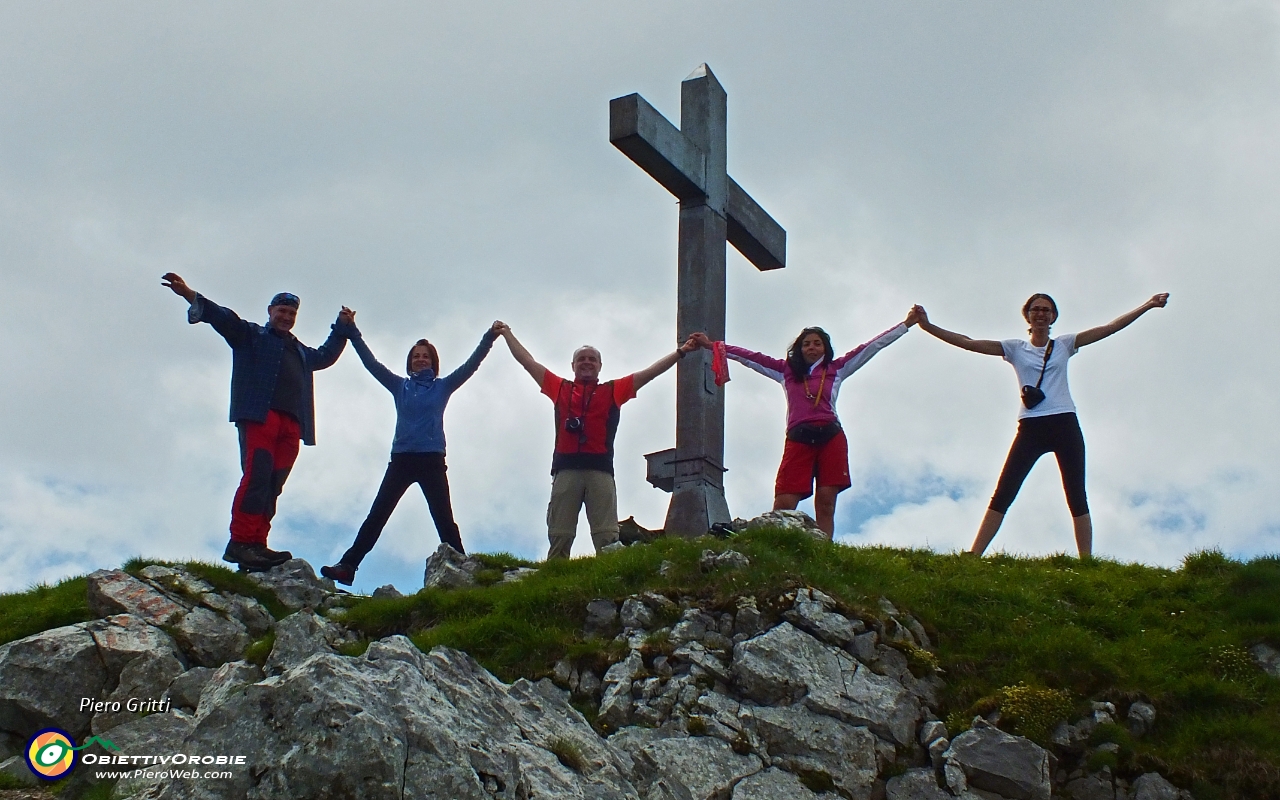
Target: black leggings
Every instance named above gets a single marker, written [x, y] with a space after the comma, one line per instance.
[428, 471]
[1055, 433]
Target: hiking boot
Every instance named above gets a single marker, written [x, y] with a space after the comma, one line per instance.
[339, 573]
[278, 556]
[249, 558]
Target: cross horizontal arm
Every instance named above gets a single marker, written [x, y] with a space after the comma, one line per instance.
[658, 147]
[756, 235]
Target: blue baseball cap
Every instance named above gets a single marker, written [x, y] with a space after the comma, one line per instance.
[285, 299]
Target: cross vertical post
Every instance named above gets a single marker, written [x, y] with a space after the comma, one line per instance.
[691, 164]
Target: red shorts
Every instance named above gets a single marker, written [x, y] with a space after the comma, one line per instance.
[802, 464]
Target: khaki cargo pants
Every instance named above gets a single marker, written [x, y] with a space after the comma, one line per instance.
[570, 488]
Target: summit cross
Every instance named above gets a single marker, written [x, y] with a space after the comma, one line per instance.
[714, 209]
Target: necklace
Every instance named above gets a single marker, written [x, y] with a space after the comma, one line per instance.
[818, 397]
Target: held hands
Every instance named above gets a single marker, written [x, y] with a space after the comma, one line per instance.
[346, 316]
[174, 281]
[698, 339]
[500, 328]
[916, 314]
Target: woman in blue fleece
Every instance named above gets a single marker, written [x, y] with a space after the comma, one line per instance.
[417, 453]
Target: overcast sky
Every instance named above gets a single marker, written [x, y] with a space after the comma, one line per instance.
[437, 166]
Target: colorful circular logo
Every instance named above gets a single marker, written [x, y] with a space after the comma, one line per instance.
[50, 754]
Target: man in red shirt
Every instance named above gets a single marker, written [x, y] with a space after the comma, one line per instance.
[587, 413]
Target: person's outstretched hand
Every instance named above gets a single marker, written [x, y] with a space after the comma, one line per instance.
[1158, 300]
[689, 345]
[174, 281]
[700, 339]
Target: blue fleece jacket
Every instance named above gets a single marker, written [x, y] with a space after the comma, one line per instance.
[421, 397]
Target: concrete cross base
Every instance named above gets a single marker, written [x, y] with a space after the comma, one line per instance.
[694, 508]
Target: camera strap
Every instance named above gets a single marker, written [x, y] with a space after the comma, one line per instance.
[1048, 351]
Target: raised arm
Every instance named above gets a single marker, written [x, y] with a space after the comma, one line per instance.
[225, 321]
[468, 368]
[988, 347]
[521, 355]
[381, 373]
[1103, 331]
[663, 364]
[343, 329]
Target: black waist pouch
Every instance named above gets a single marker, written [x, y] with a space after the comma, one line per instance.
[813, 434]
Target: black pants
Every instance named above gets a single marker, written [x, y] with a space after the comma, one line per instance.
[428, 471]
[1058, 434]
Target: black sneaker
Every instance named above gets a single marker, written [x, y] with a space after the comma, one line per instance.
[249, 556]
[339, 573]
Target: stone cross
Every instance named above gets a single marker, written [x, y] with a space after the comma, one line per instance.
[690, 163]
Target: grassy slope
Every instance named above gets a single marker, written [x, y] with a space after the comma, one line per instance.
[1097, 629]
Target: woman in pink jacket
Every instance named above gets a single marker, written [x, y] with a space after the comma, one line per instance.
[816, 449]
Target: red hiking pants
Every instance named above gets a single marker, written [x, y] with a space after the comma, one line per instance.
[267, 452]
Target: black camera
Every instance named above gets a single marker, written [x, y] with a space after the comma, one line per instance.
[573, 425]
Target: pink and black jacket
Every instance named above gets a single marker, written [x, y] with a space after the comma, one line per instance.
[813, 400]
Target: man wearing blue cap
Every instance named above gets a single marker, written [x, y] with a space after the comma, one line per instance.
[272, 405]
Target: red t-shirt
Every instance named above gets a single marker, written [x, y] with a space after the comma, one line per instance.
[589, 446]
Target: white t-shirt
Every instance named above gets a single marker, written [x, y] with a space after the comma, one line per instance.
[1026, 361]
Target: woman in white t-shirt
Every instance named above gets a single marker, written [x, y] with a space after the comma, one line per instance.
[1047, 422]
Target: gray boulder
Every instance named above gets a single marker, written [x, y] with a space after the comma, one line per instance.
[701, 767]
[1267, 657]
[150, 735]
[1141, 718]
[602, 617]
[518, 574]
[729, 559]
[789, 520]
[446, 568]
[1153, 786]
[615, 705]
[43, 677]
[1094, 786]
[145, 678]
[300, 636]
[786, 665]
[774, 784]
[813, 616]
[695, 653]
[211, 639]
[226, 682]
[122, 638]
[804, 742]
[15, 769]
[635, 614]
[184, 690]
[999, 762]
[395, 723]
[295, 584]
[920, 784]
[113, 591]
[387, 592]
[747, 621]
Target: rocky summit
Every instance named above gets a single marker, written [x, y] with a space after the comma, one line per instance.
[805, 699]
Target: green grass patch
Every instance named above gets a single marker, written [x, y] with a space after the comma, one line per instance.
[43, 607]
[259, 650]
